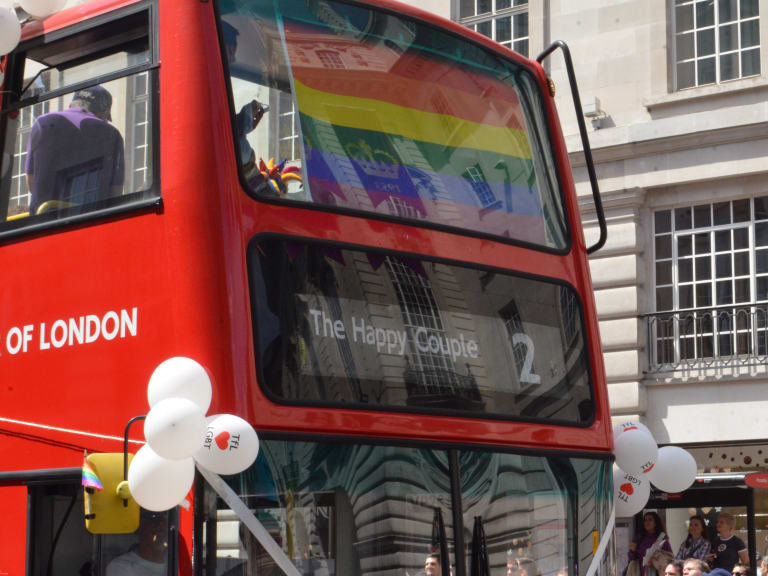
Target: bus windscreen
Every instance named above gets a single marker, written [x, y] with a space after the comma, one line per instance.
[367, 329]
[366, 110]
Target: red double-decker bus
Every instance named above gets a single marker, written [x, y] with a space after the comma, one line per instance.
[360, 219]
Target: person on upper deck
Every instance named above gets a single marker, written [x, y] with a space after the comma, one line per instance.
[75, 156]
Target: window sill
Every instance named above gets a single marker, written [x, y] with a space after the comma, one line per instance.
[690, 95]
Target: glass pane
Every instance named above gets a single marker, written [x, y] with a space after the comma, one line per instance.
[705, 42]
[722, 212]
[761, 234]
[664, 272]
[703, 295]
[685, 47]
[685, 296]
[741, 263]
[749, 8]
[501, 4]
[727, 10]
[705, 13]
[761, 208]
[722, 240]
[723, 266]
[685, 270]
[706, 71]
[77, 156]
[521, 46]
[761, 261]
[724, 292]
[503, 29]
[729, 66]
[684, 245]
[702, 243]
[336, 507]
[762, 288]
[663, 220]
[528, 335]
[382, 137]
[741, 238]
[686, 75]
[663, 247]
[729, 38]
[702, 216]
[517, 500]
[683, 18]
[742, 290]
[741, 211]
[683, 218]
[466, 8]
[483, 6]
[521, 25]
[664, 298]
[750, 62]
[704, 268]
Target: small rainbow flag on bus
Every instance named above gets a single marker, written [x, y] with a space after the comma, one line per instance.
[90, 478]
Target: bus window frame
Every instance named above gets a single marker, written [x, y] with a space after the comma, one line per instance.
[14, 78]
[437, 413]
[452, 450]
[465, 35]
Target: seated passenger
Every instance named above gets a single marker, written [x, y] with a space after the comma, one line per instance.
[75, 156]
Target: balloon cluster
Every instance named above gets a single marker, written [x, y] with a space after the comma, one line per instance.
[10, 27]
[642, 463]
[178, 434]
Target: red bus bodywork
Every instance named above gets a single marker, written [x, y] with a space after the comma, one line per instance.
[182, 267]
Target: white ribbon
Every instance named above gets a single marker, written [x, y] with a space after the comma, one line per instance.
[603, 545]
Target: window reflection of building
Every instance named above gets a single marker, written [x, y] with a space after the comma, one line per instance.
[19, 195]
[431, 376]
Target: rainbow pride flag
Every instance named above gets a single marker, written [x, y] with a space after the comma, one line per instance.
[90, 479]
[412, 133]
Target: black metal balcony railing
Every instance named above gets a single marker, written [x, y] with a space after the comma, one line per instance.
[718, 336]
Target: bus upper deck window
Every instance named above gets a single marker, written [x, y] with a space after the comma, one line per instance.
[78, 130]
[370, 111]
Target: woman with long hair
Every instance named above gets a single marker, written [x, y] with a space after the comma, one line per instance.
[695, 545]
[652, 539]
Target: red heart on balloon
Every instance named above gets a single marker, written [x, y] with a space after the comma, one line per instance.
[222, 440]
[627, 488]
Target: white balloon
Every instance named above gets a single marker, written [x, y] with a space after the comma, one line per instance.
[675, 469]
[231, 445]
[636, 451]
[180, 377]
[630, 493]
[175, 428]
[10, 30]
[159, 484]
[629, 425]
[42, 8]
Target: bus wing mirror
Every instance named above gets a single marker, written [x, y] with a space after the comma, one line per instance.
[584, 138]
[106, 510]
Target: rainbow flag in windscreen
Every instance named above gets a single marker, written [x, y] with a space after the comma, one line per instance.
[412, 133]
[90, 479]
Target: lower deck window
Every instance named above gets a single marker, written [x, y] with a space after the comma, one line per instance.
[348, 509]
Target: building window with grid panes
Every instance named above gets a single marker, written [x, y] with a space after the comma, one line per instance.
[505, 21]
[711, 284]
[715, 41]
[288, 129]
[18, 198]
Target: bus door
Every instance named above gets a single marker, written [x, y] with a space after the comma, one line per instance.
[44, 531]
[707, 498]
